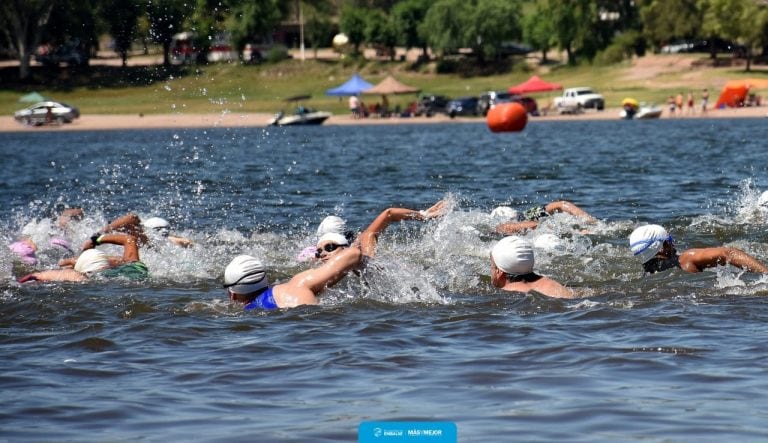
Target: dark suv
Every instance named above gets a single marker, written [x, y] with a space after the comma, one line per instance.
[70, 53]
[430, 105]
[491, 98]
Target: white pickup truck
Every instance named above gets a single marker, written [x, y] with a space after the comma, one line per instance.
[578, 99]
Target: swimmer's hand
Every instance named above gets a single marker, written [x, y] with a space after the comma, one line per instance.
[27, 278]
[439, 209]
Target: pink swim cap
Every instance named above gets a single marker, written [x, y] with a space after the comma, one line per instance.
[25, 250]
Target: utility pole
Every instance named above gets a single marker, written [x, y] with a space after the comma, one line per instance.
[301, 30]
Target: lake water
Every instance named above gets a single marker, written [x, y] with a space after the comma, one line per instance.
[672, 357]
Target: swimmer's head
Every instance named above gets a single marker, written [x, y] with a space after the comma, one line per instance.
[157, 225]
[333, 224]
[646, 241]
[762, 202]
[61, 243]
[25, 250]
[91, 260]
[504, 212]
[513, 255]
[245, 274]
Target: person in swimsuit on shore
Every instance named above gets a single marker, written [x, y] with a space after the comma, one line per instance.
[531, 217]
[512, 263]
[655, 248]
[246, 281]
[92, 262]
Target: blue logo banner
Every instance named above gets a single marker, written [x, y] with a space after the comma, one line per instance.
[407, 432]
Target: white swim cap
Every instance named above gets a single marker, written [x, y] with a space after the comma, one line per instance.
[91, 260]
[646, 241]
[763, 200]
[504, 212]
[245, 274]
[513, 255]
[156, 223]
[332, 223]
[337, 239]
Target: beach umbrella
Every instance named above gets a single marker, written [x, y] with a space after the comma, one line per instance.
[391, 86]
[353, 86]
[534, 84]
[32, 97]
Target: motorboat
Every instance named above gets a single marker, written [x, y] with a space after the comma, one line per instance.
[631, 109]
[648, 111]
[301, 115]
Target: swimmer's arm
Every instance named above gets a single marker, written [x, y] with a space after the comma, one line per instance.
[180, 241]
[68, 262]
[696, 260]
[516, 227]
[317, 279]
[568, 208]
[57, 275]
[128, 242]
[369, 239]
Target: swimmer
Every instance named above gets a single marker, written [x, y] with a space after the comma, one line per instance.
[246, 281]
[532, 216]
[147, 231]
[655, 248]
[93, 262]
[512, 263]
[25, 249]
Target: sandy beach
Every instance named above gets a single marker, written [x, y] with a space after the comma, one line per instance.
[227, 120]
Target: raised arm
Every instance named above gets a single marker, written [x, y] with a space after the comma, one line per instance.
[696, 260]
[128, 242]
[568, 208]
[369, 238]
[318, 279]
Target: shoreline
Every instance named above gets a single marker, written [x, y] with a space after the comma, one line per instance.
[97, 122]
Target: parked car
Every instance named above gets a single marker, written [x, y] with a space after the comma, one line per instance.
[430, 105]
[492, 98]
[69, 53]
[38, 114]
[462, 106]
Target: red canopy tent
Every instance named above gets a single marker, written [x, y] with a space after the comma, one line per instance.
[534, 84]
[735, 92]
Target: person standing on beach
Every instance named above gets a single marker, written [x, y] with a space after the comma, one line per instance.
[671, 105]
[653, 245]
[512, 263]
[679, 103]
[704, 100]
[354, 106]
[691, 108]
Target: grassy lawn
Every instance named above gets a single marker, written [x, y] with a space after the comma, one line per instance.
[236, 88]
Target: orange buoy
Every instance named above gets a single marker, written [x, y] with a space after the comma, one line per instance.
[507, 117]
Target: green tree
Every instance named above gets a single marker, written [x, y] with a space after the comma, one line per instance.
[445, 24]
[538, 30]
[380, 32]
[666, 20]
[166, 18]
[353, 22]
[407, 15]
[317, 27]
[250, 19]
[491, 23]
[23, 21]
[121, 17]
[741, 21]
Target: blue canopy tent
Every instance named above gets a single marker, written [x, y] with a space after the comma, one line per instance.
[353, 86]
